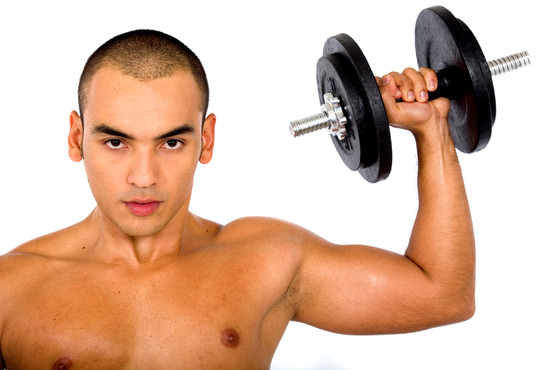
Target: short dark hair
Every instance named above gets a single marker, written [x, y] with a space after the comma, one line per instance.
[145, 55]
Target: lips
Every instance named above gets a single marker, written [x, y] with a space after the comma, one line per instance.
[142, 207]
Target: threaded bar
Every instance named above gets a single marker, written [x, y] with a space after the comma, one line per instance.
[306, 125]
[509, 63]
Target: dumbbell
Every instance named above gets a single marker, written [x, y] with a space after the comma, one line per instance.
[352, 107]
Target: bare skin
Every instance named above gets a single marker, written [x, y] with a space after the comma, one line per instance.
[144, 283]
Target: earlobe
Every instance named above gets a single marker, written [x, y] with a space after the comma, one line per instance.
[75, 137]
[207, 139]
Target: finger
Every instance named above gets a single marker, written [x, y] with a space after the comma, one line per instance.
[389, 84]
[389, 93]
[404, 85]
[430, 77]
[419, 84]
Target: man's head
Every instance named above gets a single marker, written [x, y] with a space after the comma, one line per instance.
[144, 55]
[142, 137]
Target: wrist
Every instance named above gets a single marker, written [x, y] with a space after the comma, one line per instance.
[435, 134]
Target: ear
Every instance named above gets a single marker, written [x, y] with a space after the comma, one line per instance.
[207, 138]
[75, 137]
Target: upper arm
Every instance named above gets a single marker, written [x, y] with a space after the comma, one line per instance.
[5, 301]
[358, 289]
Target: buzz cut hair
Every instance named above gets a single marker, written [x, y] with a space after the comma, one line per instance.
[144, 55]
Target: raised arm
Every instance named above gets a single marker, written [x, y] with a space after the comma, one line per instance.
[363, 290]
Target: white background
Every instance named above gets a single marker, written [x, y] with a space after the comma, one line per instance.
[260, 59]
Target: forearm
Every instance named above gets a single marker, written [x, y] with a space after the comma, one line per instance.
[442, 240]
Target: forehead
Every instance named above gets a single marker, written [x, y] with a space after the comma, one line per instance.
[142, 107]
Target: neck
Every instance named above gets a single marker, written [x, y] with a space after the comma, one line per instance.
[113, 245]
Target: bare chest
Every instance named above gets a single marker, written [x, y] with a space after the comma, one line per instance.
[205, 319]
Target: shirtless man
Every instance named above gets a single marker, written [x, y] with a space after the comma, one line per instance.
[142, 283]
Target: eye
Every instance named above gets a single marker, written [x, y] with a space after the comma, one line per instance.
[172, 144]
[115, 144]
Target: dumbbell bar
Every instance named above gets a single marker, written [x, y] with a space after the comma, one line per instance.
[352, 106]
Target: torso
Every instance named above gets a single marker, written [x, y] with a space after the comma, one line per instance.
[223, 304]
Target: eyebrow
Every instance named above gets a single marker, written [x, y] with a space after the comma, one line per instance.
[107, 130]
[180, 130]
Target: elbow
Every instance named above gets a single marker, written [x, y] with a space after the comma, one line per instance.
[465, 310]
[452, 305]
[469, 308]
[459, 309]
[465, 302]
[457, 300]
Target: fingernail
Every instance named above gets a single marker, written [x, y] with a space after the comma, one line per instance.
[432, 85]
[410, 95]
[385, 80]
[423, 95]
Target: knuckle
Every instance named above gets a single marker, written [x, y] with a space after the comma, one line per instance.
[428, 72]
[409, 70]
[400, 79]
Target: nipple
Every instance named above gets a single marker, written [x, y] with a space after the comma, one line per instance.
[63, 363]
[229, 337]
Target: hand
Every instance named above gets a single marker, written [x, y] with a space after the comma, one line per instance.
[415, 113]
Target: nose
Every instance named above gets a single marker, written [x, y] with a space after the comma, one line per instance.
[143, 171]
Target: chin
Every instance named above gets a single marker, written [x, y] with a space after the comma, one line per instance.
[141, 230]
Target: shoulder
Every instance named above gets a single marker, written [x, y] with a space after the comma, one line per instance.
[16, 268]
[27, 267]
[25, 261]
[273, 237]
[25, 257]
[283, 252]
[30, 262]
[59, 244]
[20, 273]
[270, 230]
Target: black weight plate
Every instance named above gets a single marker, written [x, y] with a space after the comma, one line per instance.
[344, 71]
[443, 42]
[334, 76]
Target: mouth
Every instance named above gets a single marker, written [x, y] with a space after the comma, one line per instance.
[142, 208]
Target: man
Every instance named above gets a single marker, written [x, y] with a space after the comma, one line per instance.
[143, 283]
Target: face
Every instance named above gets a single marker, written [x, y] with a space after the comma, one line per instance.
[142, 142]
